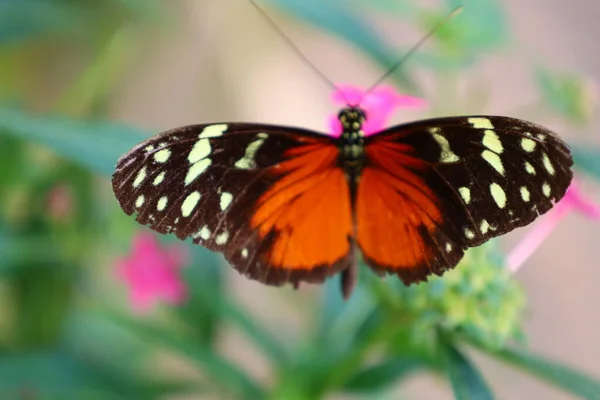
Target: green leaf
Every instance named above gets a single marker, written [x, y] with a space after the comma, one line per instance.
[559, 375]
[95, 145]
[23, 19]
[381, 375]
[220, 371]
[571, 95]
[467, 382]
[587, 159]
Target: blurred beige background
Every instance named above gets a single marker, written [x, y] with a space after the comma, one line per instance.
[224, 63]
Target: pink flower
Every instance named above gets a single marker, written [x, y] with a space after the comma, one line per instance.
[574, 200]
[152, 273]
[379, 105]
[60, 202]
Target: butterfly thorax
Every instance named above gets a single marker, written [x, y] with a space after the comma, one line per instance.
[352, 140]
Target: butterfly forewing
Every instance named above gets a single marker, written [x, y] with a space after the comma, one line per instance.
[453, 183]
[257, 193]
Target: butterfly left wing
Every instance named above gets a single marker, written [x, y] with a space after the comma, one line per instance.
[256, 193]
[433, 188]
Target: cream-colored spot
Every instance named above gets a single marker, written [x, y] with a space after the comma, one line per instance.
[200, 150]
[140, 177]
[481, 123]
[162, 203]
[176, 220]
[498, 195]
[446, 155]
[529, 168]
[244, 253]
[149, 148]
[159, 178]
[525, 195]
[204, 233]
[494, 160]
[448, 247]
[213, 131]
[140, 201]
[492, 141]
[469, 234]
[162, 156]
[222, 238]
[189, 204]
[547, 164]
[541, 136]
[226, 199]
[465, 193]
[248, 161]
[196, 170]
[528, 145]
[546, 189]
[484, 227]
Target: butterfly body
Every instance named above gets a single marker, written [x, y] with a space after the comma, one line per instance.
[288, 205]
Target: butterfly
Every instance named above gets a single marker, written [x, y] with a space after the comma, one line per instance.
[290, 205]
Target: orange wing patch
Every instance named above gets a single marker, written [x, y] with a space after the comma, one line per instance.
[397, 218]
[308, 211]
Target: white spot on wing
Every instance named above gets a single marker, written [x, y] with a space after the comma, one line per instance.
[481, 123]
[222, 238]
[529, 168]
[244, 253]
[525, 195]
[546, 189]
[469, 234]
[547, 164]
[484, 227]
[498, 195]
[492, 141]
[248, 160]
[196, 170]
[494, 160]
[149, 148]
[159, 178]
[204, 233]
[465, 193]
[200, 150]
[140, 177]
[139, 201]
[226, 199]
[447, 155]
[190, 202]
[528, 145]
[162, 156]
[213, 131]
[448, 247]
[162, 203]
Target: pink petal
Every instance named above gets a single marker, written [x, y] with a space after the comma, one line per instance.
[379, 105]
[151, 272]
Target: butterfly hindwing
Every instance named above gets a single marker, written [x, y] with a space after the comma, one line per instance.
[253, 192]
[433, 188]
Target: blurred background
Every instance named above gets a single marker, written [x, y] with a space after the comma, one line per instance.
[82, 312]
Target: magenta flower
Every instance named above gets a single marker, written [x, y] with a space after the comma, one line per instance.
[574, 200]
[379, 104]
[152, 273]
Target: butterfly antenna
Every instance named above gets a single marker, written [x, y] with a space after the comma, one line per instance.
[413, 49]
[295, 48]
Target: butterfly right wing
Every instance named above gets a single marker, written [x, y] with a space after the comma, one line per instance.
[256, 193]
[430, 189]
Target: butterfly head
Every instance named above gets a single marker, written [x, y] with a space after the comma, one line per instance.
[352, 119]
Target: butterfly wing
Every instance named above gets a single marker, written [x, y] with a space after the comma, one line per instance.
[433, 188]
[256, 193]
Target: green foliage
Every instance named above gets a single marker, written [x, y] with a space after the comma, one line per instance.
[467, 382]
[61, 336]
